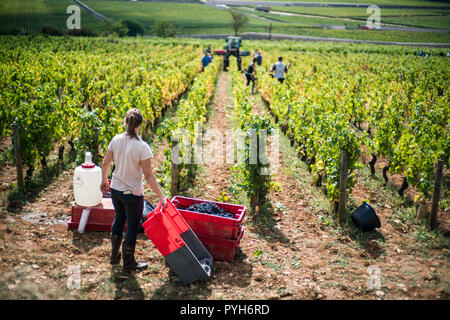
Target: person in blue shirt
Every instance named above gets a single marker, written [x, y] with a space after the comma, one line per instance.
[206, 60]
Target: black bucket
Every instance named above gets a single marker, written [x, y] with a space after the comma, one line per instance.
[365, 217]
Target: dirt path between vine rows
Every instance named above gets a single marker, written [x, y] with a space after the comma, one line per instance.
[216, 176]
[294, 254]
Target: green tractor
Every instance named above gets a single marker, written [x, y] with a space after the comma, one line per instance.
[232, 48]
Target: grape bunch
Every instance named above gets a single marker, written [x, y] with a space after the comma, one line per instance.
[210, 208]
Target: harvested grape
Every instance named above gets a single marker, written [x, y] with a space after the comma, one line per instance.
[210, 208]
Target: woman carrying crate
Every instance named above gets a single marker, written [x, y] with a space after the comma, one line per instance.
[132, 159]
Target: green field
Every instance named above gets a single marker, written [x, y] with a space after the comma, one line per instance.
[432, 18]
[359, 12]
[374, 35]
[190, 18]
[439, 22]
[385, 2]
[32, 15]
[29, 16]
[304, 20]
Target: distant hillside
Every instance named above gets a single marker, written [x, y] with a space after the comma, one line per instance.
[196, 17]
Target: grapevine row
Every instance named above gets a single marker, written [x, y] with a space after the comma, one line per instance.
[77, 90]
[402, 113]
[253, 175]
[185, 128]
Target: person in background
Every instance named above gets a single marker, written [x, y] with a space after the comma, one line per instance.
[239, 63]
[233, 45]
[249, 74]
[258, 57]
[132, 159]
[279, 69]
[206, 60]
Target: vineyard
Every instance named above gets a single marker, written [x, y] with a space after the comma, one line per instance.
[383, 110]
[371, 107]
[80, 99]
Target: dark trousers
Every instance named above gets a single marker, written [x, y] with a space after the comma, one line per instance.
[281, 80]
[128, 210]
[250, 78]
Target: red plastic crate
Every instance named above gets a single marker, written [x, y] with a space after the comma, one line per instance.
[100, 218]
[179, 245]
[211, 225]
[222, 249]
[164, 232]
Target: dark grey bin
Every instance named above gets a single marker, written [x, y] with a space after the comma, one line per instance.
[191, 262]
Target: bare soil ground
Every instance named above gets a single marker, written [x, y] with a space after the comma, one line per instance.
[298, 253]
[216, 175]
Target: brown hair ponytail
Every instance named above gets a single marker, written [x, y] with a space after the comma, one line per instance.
[133, 119]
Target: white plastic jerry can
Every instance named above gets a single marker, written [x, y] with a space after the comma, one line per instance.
[86, 183]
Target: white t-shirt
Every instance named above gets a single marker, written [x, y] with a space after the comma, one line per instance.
[279, 67]
[128, 153]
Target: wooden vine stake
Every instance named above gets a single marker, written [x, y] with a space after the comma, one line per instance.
[436, 195]
[270, 31]
[342, 186]
[174, 169]
[18, 157]
[61, 147]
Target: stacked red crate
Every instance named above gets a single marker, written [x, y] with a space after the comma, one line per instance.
[179, 245]
[220, 235]
[101, 217]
